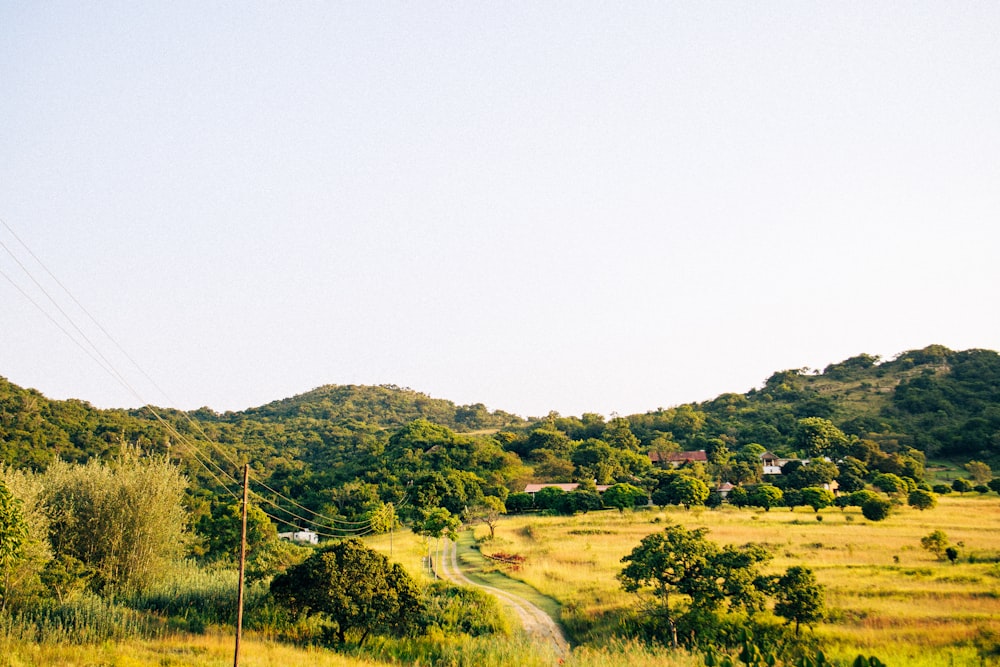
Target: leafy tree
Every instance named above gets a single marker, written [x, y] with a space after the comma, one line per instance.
[13, 536]
[793, 498]
[222, 528]
[922, 500]
[618, 433]
[994, 485]
[961, 485]
[815, 473]
[799, 597]
[548, 498]
[19, 579]
[354, 588]
[936, 543]
[980, 472]
[623, 496]
[766, 496]
[682, 561]
[859, 498]
[581, 500]
[437, 522]
[819, 437]
[817, 498]
[889, 483]
[487, 512]
[876, 509]
[65, 576]
[738, 497]
[518, 503]
[681, 490]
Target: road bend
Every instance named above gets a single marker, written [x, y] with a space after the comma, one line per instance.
[537, 624]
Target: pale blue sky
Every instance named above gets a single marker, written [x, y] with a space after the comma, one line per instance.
[603, 207]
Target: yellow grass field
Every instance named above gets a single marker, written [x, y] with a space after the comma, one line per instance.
[885, 595]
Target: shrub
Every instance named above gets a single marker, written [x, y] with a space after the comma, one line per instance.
[922, 500]
[876, 509]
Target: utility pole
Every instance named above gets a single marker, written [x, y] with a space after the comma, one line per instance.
[243, 562]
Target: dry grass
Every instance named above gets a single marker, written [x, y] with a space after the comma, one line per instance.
[884, 592]
[209, 650]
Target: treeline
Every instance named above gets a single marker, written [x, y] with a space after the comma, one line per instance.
[347, 451]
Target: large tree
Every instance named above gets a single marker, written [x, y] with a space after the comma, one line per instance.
[352, 587]
[682, 561]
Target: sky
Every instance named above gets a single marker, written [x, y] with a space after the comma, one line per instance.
[572, 206]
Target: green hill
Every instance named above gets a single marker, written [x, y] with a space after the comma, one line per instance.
[343, 448]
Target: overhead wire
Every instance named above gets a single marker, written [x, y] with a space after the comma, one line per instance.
[201, 457]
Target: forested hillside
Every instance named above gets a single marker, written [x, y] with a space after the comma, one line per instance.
[344, 450]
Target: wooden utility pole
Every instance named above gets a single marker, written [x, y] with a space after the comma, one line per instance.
[243, 562]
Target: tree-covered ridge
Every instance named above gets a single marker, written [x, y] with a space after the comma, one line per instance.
[344, 450]
[935, 400]
[387, 406]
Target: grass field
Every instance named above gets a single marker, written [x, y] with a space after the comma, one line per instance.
[885, 594]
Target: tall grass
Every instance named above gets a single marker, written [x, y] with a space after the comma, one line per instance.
[884, 593]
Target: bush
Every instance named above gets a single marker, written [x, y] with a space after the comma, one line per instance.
[921, 500]
[518, 503]
[941, 489]
[458, 609]
[876, 509]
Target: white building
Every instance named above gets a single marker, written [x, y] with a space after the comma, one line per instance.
[304, 536]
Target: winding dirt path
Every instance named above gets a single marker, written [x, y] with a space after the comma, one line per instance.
[537, 624]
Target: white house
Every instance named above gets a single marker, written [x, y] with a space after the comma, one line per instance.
[305, 536]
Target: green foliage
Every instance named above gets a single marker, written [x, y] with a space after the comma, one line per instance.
[765, 496]
[488, 511]
[518, 503]
[66, 577]
[798, 597]
[922, 500]
[681, 561]
[936, 543]
[889, 483]
[13, 536]
[123, 519]
[817, 498]
[876, 509]
[819, 437]
[437, 522]
[623, 496]
[961, 485]
[222, 527]
[465, 610]
[680, 489]
[352, 587]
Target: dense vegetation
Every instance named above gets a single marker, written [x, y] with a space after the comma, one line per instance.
[345, 450]
[102, 502]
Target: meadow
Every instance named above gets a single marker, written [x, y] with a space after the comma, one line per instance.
[885, 595]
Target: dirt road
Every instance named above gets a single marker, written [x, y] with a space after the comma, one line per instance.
[537, 624]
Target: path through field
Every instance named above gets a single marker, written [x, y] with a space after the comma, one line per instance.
[537, 624]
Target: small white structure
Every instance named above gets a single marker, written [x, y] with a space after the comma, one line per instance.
[304, 536]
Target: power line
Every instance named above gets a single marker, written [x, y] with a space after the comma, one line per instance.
[202, 457]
